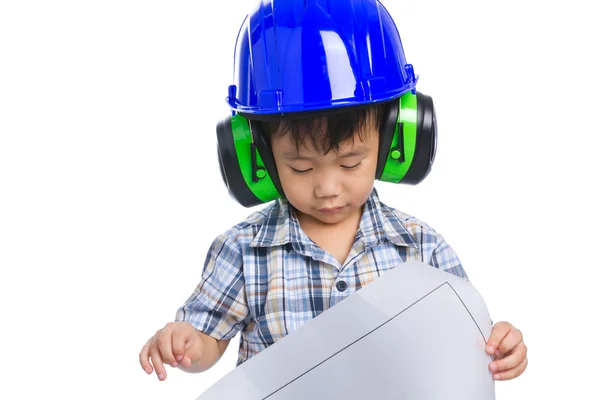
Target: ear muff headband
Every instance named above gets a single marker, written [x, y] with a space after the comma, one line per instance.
[401, 151]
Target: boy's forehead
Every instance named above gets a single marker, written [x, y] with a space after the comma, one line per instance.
[294, 151]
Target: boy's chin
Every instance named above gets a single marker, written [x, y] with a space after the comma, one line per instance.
[332, 218]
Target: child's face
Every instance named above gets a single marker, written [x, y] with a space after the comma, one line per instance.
[328, 187]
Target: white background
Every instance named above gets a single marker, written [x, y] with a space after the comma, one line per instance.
[110, 193]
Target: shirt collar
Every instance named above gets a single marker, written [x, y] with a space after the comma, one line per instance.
[378, 223]
[280, 226]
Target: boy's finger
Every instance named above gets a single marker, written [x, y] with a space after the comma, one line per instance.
[158, 363]
[164, 341]
[511, 361]
[193, 351]
[499, 331]
[513, 373]
[498, 354]
[181, 336]
[511, 340]
[144, 355]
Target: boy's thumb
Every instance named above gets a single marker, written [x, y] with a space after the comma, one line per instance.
[193, 350]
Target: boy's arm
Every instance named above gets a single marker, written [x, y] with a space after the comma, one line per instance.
[218, 307]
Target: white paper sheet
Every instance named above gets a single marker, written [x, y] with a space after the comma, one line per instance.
[414, 333]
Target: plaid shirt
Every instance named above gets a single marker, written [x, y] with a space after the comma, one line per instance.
[266, 278]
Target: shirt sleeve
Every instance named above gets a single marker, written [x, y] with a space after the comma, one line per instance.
[218, 306]
[444, 258]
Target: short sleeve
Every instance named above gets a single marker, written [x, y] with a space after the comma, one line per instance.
[218, 306]
[444, 258]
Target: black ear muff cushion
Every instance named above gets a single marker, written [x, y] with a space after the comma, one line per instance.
[426, 141]
[230, 167]
[264, 149]
[386, 135]
[221, 167]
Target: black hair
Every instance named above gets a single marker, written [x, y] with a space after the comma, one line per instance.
[325, 132]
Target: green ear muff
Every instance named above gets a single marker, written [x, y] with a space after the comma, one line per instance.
[246, 162]
[407, 140]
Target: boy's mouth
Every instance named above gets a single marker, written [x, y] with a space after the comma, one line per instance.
[330, 210]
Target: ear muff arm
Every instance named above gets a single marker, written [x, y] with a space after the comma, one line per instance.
[258, 172]
[397, 152]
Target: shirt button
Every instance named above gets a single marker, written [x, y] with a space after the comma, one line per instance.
[341, 286]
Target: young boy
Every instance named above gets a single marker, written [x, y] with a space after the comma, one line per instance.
[324, 104]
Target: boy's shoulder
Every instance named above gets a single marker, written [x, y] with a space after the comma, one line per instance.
[402, 222]
[266, 222]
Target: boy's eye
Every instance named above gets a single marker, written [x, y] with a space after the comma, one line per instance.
[351, 166]
[300, 171]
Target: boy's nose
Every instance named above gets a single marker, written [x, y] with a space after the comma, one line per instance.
[328, 185]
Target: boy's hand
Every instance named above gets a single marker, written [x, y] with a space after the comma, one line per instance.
[510, 353]
[178, 343]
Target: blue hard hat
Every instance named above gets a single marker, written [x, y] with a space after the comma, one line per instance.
[303, 55]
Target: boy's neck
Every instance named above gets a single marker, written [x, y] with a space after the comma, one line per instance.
[336, 239]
